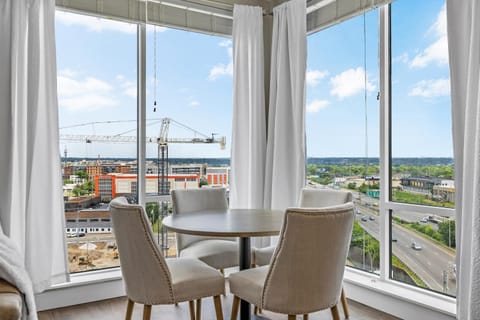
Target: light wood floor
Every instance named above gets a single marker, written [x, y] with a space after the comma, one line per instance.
[114, 309]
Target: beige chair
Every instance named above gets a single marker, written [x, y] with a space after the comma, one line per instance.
[309, 198]
[306, 270]
[149, 278]
[219, 253]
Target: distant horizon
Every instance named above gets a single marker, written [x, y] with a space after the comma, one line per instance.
[310, 160]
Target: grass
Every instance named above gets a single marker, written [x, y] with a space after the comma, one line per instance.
[399, 264]
[407, 197]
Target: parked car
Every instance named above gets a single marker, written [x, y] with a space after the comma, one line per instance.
[394, 239]
[424, 220]
[416, 246]
[364, 218]
[371, 218]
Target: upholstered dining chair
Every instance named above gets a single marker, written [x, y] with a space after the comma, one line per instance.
[217, 252]
[149, 278]
[306, 271]
[309, 198]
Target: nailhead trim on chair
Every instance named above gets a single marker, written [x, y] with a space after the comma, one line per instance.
[279, 249]
[162, 265]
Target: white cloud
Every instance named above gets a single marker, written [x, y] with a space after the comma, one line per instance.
[84, 94]
[431, 88]
[87, 102]
[194, 103]
[314, 77]
[349, 83]
[93, 23]
[437, 52]
[404, 58]
[225, 43]
[222, 69]
[317, 105]
[129, 87]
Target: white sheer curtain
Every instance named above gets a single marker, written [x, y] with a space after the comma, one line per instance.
[463, 25]
[31, 200]
[249, 127]
[285, 161]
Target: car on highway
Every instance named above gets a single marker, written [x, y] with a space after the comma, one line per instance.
[416, 246]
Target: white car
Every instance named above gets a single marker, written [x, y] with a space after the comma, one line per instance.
[416, 246]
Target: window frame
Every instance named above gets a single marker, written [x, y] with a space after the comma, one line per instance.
[386, 205]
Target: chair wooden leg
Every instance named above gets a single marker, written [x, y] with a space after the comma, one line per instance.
[191, 305]
[305, 316]
[292, 317]
[335, 314]
[147, 311]
[199, 310]
[344, 304]
[218, 307]
[235, 304]
[130, 305]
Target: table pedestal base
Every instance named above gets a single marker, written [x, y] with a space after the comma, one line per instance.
[245, 261]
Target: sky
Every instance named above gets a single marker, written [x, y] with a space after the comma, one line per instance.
[189, 75]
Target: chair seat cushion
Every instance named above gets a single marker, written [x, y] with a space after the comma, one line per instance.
[248, 284]
[193, 279]
[219, 254]
[10, 302]
[262, 256]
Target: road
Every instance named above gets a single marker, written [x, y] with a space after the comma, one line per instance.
[429, 263]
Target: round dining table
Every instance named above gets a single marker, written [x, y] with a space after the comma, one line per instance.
[241, 223]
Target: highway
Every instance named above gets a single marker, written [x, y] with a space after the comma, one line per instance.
[429, 263]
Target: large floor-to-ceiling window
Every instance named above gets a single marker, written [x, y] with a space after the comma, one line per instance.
[342, 124]
[345, 128]
[188, 79]
[421, 181]
[96, 61]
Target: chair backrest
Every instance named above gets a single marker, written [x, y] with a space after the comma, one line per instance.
[191, 200]
[318, 198]
[145, 273]
[307, 267]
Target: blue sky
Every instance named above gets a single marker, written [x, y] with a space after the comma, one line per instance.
[96, 62]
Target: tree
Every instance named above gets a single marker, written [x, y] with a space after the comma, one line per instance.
[447, 231]
[352, 185]
[81, 174]
[152, 210]
[203, 182]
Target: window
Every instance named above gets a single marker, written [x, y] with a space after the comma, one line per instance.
[189, 99]
[421, 180]
[343, 135]
[96, 63]
[342, 124]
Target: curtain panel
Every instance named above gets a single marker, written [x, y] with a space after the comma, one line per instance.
[249, 126]
[31, 197]
[463, 27]
[285, 159]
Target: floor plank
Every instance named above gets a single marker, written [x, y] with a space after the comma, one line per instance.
[114, 309]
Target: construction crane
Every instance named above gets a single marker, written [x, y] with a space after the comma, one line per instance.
[163, 137]
[162, 141]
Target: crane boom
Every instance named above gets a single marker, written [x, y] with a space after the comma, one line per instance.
[130, 139]
[162, 139]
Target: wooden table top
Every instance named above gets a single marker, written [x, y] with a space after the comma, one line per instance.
[229, 223]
